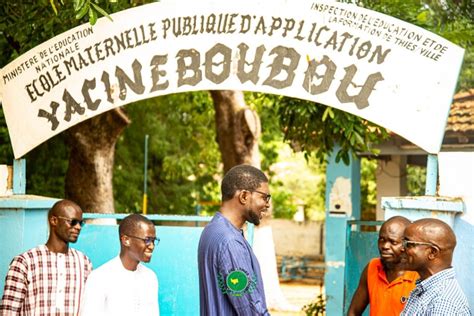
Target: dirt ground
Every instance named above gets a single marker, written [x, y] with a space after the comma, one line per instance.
[298, 294]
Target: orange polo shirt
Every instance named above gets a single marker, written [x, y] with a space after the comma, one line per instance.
[388, 298]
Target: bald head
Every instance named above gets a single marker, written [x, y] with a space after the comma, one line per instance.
[62, 207]
[435, 231]
[398, 221]
[429, 246]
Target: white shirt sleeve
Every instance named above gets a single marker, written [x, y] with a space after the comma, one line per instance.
[156, 309]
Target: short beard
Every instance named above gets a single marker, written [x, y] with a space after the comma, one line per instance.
[384, 264]
[253, 217]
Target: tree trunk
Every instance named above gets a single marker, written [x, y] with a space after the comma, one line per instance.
[91, 161]
[238, 130]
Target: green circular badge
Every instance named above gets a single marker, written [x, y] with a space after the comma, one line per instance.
[237, 281]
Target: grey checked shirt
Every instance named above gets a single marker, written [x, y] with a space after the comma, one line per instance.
[439, 294]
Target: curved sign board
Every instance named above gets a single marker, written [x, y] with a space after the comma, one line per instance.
[372, 65]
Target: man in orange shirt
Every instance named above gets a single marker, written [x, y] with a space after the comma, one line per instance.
[384, 283]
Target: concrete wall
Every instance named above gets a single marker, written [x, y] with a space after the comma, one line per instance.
[456, 179]
[298, 238]
[391, 180]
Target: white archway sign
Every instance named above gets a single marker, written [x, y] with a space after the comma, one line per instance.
[372, 65]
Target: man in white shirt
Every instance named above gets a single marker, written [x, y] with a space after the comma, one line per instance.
[123, 286]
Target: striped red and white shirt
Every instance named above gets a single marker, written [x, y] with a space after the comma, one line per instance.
[41, 282]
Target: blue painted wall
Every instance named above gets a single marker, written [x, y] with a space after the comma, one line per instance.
[463, 260]
[23, 223]
[174, 261]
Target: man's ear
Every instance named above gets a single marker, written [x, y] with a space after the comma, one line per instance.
[243, 196]
[125, 240]
[53, 220]
[434, 252]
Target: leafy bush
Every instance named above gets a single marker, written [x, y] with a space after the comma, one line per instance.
[283, 206]
[416, 180]
[316, 308]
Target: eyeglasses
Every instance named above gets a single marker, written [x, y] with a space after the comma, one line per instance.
[410, 244]
[148, 240]
[72, 221]
[266, 196]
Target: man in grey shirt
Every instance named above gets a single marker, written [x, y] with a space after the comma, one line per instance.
[429, 244]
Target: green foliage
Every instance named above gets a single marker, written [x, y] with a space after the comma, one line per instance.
[83, 7]
[282, 201]
[416, 180]
[182, 154]
[272, 137]
[6, 152]
[91, 9]
[368, 188]
[24, 25]
[301, 182]
[315, 129]
[316, 308]
[46, 168]
[297, 181]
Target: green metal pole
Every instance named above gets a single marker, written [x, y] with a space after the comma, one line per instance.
[145, 167]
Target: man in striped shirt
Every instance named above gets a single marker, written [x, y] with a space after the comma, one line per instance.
[429, 244]
[49, 279]
[230, 282]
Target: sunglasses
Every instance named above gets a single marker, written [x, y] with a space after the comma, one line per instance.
[407, 244]
[148, 240]
[72, 221]
[266, 196]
